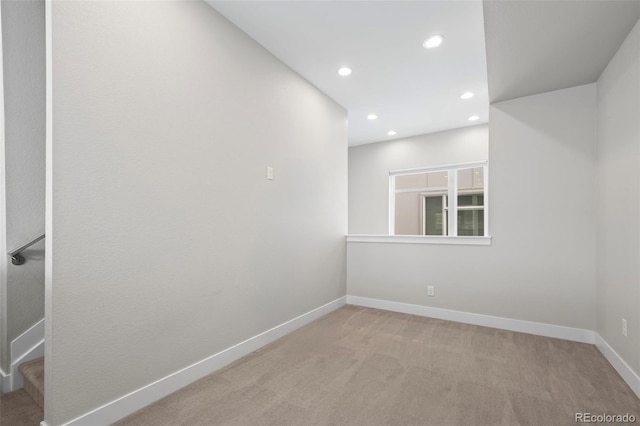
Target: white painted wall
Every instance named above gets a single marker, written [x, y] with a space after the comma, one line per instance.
[541, 263]
[618, 195]
[4, 362]
[369, 167]
[23, 43]
[168, 242]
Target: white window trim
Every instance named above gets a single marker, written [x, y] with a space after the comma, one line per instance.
[419, 239]
[452, 189]
[440, 168]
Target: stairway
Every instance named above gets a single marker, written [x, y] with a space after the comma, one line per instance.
[24, 407]
[33, 377]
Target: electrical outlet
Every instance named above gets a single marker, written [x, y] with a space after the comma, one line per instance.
[270, 173]
[430, 291]
[624, 327]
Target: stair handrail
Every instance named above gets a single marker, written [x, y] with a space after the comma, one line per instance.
[16, 257]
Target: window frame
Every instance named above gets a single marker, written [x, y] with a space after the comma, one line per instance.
[451, 191]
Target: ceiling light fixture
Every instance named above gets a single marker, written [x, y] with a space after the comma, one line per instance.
[371, 117]
[433, 41]
[467, 95]
[473, 118]
[391, 133]
[344, 71]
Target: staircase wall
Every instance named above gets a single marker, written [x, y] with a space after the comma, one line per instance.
[23, 48]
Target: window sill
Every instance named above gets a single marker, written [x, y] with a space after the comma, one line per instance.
[419, 239]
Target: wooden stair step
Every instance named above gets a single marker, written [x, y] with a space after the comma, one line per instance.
[33, 375]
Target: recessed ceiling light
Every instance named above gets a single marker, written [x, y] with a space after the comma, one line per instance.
[372, 117]
[467, 95]
[473, 118]
[344, 71]
[391, 133]
[433, 41]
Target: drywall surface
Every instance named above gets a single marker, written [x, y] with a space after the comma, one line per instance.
[618, 206]
[4, 351]
[369, 167]
[23, 44]
[540, 265]
[169, 242]
[578, 40]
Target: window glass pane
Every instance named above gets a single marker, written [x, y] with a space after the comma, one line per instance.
[407, 213]
[465, 179]
[438, 179]
[420, 202]
[411, 181]
[478, 177]
[411, 218]
[470, 200]
[435, 215]
[471, 180]
[471, 223]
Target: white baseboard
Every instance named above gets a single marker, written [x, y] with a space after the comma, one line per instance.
[27, 346]
[568, 333]
[625, 371]
[132, 402]
[537, 328]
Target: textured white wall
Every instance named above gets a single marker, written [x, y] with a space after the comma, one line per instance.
[169, 243]
[23, 44]
[618, 207]
[541, 263]
[4, 353]
[369, 167]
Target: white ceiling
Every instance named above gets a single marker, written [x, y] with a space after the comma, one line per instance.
[412, 90]
[532, 46]
[540, 46]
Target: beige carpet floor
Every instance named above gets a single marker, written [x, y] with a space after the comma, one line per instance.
[360, 366]
[18, 409]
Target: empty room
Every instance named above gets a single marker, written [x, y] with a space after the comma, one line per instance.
[319, 212]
